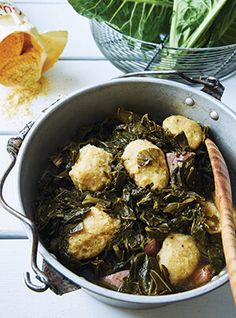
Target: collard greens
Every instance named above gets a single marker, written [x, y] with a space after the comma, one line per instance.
[144, 214]
[178, 23]
[192, 21]
[142, 19]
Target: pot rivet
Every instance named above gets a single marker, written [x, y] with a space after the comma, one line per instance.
[214, 115]
[189, 101]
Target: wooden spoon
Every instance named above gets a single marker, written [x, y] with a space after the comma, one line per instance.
[223, 202]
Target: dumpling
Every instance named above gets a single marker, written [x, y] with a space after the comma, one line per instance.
[212, 215]
[98, 229]
[146, 164]
[92, 171]
[176, 124]
[180, 255]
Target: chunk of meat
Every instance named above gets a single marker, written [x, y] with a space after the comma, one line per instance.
[116, 280]
[174, 160]
[151, 248]
[201, 276]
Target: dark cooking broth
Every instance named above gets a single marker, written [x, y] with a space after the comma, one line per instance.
[143, 219]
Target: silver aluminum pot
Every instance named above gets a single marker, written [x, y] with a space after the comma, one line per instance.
[59, 123]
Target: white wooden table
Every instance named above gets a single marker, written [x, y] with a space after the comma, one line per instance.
[80, 65]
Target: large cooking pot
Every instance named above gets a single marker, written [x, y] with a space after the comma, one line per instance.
[58, 124]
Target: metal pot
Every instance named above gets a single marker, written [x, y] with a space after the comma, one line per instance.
[58, 124]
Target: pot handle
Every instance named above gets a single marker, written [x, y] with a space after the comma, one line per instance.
[13, 147]
[48, 277]
[211, 85]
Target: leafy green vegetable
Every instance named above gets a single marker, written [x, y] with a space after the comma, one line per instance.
[196, 24]
[195, 174]
[146, 278]
[191, 21]
[224, 26]
[148, 20]
[144, 214]
[147, 157]
[177, 23]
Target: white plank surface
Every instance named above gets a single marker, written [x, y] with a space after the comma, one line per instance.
[229, 96]
[48, 16]
[68, 76]
[17, 301]
[40, 1]
[9, 225]
[64, 78]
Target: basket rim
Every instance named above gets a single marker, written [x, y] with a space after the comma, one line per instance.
[161, 45]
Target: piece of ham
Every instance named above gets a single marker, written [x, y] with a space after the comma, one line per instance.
[151, 248]
[200, 277]
[115, 280]
[173, 159]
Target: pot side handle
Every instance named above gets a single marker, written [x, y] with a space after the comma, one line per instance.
[48, 277]
[13, 147]
[211, 85]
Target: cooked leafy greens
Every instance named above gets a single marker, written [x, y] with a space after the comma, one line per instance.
[177, 23]
[145, 214]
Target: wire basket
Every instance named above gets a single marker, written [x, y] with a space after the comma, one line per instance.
[132, 55]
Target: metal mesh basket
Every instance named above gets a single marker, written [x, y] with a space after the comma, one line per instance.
[130, 55]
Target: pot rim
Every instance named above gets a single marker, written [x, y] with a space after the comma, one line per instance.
[216, 282]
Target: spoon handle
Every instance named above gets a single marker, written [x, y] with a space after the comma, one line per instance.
[223, 201]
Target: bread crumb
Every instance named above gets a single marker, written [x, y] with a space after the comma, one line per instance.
[19, 100]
